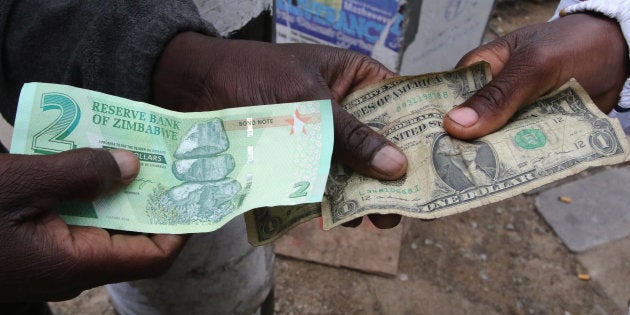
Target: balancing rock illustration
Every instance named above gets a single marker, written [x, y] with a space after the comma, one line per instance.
[207, 191]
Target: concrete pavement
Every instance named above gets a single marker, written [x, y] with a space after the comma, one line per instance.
[592, 217]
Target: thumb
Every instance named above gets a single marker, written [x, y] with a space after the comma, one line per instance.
[518, 81]
[465, 121]
[82, 174]
[364, 150]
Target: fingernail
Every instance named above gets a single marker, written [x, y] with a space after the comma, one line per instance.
[389, 161]
[464, 116]
[127, 163]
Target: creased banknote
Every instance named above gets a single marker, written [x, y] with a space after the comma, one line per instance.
[559, 135]
[198, 170]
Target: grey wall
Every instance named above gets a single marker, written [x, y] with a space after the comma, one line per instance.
[5, 133]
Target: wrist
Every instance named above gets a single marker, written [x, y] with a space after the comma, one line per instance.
[178, 77]
[620, 11]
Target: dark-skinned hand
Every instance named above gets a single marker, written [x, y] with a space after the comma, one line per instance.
[201, 73]
[43, 258]
[538, 59]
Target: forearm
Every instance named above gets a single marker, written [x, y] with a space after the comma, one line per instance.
[618, 10]
[105, 46]
[614, 9]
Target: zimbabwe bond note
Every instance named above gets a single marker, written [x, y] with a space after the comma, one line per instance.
[558, 135]
[198, 170]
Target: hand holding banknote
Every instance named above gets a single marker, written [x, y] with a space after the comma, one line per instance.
[538, 59]
[44, 258]
[234, 73]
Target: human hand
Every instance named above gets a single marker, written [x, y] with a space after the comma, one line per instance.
[44, 259]
[197, 72]
[538, 59]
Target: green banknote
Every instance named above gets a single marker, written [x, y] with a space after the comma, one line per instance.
[198, 170]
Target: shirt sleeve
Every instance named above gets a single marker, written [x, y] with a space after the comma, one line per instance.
[563, 4]
[108, 46]
[620, 11]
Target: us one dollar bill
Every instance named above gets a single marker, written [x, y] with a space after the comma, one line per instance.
[559, 135]
[198, 170]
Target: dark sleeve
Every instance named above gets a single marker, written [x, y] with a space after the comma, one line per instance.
[108, 46]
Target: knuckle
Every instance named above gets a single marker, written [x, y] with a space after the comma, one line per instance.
[354, 135]
[21, 177]
[361, 61]
[356, 141]
[10, 183]
[492, 51]
[366, 65]
[311, 84]
[303, 87]
[87, 175]
[510, 41]
[490, 100]
[95, 172]
[360, 140]
[534, 44]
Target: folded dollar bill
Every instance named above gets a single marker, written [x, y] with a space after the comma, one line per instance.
[198, 170]
[556, 136]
